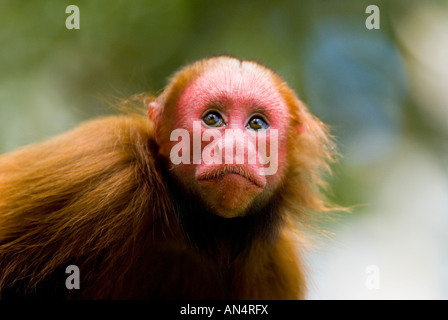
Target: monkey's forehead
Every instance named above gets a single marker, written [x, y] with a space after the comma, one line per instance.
[245, 83]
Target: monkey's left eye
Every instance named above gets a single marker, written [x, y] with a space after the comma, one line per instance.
[213, 119]
[257, 123]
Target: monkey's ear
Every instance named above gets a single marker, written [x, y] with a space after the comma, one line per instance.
[153, 111]
[300, 128]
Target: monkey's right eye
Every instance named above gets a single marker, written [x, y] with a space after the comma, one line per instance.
[213, 119]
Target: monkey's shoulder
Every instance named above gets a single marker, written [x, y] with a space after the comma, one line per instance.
[67, 188]
[106, 131]
[100, 138]
[105, 149]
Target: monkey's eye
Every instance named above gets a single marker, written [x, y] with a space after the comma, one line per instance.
[257, 123]
[213, 119]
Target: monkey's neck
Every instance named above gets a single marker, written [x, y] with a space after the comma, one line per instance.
[217, 238]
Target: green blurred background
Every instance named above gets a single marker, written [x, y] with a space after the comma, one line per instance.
[384, 92]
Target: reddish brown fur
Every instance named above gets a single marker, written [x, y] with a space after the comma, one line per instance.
[95, 197]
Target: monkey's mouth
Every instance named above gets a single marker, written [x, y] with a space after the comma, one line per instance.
[216, 173]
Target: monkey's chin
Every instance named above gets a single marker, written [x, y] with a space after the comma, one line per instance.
[230, 195]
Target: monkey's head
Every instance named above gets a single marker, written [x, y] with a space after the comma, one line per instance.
[234, 133]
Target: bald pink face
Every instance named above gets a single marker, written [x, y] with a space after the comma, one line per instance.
[232, 107]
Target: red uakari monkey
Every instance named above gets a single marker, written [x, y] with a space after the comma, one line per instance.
[135, 206]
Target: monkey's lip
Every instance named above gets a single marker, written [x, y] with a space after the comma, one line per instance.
[220, 172]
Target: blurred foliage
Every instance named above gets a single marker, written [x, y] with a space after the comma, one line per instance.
[356, 80]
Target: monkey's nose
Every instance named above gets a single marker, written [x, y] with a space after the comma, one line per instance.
[237, 149]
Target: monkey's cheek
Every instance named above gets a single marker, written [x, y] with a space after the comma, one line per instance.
[230, 195]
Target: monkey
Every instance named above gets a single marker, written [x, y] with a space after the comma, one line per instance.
[143, 213]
